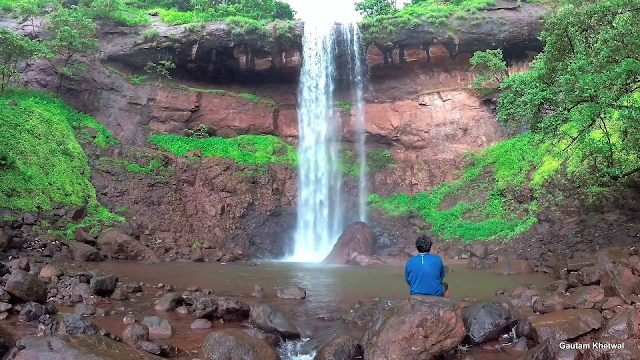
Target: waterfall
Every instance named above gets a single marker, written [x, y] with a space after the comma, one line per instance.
[319, 212]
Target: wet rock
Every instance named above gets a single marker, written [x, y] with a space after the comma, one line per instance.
[579, 263]
[4, 240]
[572, 280]
[26, 287]
[120, 295]
[31, 312]
[234, 344]
[193, 288]
[590, 275]
[272, 319]
[258, 292]
[83, 252]
[393, 335]
[274, 340]
[618, 281]
[158, 328]
[73, 324]
[151, 348]
[135, 333]
[585, 297]
[133, 288]
[20, 264]
[340, 348]
[610, 303]
[5, 307]
[201, 324]
[292, 292]
[182, 310]
[479, 249]
[83, 291]
[61, 347]
[622, 326]
[566, 324]
[232, 310]
[129, 319]
[560, 286]
[546, 350]
[611, 255]
[512, 267]
[358, 238]
[84, 236]
[6, 341]
[485, 322]
[117, 242]
[84, 310]
[549, 303]
[478, 263]
[49, 271]
[634, 263]
[104, 285]
[363, 315]
[169, 301]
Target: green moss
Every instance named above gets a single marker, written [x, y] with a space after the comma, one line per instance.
[377, 160]
[6, 5]
[244, 149]
[344, 105]
[265, 100]
[154, 168]
[149, 33]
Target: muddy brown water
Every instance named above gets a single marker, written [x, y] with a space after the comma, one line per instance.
[330, 291]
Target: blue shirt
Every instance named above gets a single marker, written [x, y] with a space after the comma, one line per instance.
[424, 273]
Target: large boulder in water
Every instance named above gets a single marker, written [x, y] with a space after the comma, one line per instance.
[117, 242]
[357, 239]
[486, 321]
[423, 327]
[26, 287]
[235, 344]
[566, 324]
[272, 319]
[84, 347]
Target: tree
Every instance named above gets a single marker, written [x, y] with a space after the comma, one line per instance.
[584, 90]
[102, 8]
[74, 34]
[372, 8]
[33, 12]
[491, 69]
[15, 49]
[203, 5]
[161, 69]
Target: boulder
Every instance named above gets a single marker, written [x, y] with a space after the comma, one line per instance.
[478, 263]
[549, 303]
[363, 315]
[622, 326]
[234, 344]
[423, 327]
[6, 341]
[258, 292]
[546, 350]
[232, 310]
[104, 285]
[566, 324]
[272, 319]
[579, 263]
[84, 310]
[135, 333]
[148, 346]
[117, 242]
[83, 252]
[618, 281]
[82, 347]
[512, 267]
[590, 275]
[26, 287]
[611, 255]
[611, 302]
[292, 292]
[4, 240]
[584, 297]
[20, 264]
[159, 328]
[31, 312]
[74, 324]
[133, 288]
[120, 295]
[201, 324]
[83, 291]
[486, 321]
[49, 271]
[479, 249]
[343, 347]
[357, 239]
[274, 340]
[169, 301]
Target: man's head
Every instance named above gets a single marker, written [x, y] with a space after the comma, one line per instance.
[423, 244]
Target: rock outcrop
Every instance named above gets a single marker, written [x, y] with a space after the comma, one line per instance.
[357, 239]
[89, 347]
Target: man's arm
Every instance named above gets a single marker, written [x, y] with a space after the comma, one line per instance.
[406, 273]
[442, 274]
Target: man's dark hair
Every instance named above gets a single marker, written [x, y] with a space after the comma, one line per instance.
[423, 244]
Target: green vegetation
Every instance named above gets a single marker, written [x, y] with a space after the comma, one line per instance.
[244, 149]
[149, 33]
[377, 160]
[266, 100]
[15, 49]
[160, 69]
[48, 167]
[344, 105]
[154, 167]
[6, 5]
[491, 69]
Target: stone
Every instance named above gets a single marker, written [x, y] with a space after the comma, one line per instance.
[148, 346]
[479, 249]
[258, 292]
[234, 344]
[20, 264]
[129, 319]
[512, 267]
[26, 287]
[611, 302]
[6, 341]
[584, 297]
[269, 318]
[201, 324]
[120, 295]
[486, 321]
[83, 347]
[117, 242]
[611, 255]
[83, 291]
[622, 326]
[83, 252]
[49, 271]
[133, 288]
[158, 328]
[232, 310]
[274, 340]
[572, 280]
[73, 324]
[357, 239]
[546, 350]
[478, 263]
[104, 285]
[634, 263]
[84, 236]
[579, 263]
[590, 275]
[363, 315]
[5, 307]
[84, 310]
[135, 333]
[4, 240]
[182, 310]
[339, 348]
[31, 312]
[618, 281]
[549, 303]
[566, 324]
[560, 286]
[292, 292]
[422, 327]
[169, 302]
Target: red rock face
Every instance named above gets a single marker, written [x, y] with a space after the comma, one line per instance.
[357, 239]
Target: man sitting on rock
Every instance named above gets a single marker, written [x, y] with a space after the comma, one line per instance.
[424, 272]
